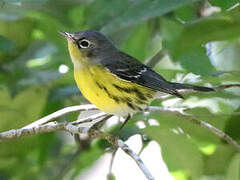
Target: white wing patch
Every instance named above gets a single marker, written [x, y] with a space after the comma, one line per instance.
[139, 73]
[134, 76]
[143, 70]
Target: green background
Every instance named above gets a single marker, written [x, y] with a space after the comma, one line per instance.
[31, 86]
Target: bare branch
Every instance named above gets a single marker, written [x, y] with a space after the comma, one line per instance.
[89, 119]
[72, 128]
[203, 124]
[61, 112]
[225, 86]
[38, 127]
[216, 131]
[111, 164]
[49, 127]
[17, 133]
[44, 125]
[120, 144]
[156, 58]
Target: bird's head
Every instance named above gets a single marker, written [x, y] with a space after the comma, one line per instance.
[88, 46]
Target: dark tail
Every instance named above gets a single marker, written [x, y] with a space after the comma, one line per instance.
[193, 87]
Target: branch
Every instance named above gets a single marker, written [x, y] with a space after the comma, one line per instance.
[54, 126]
[73, 129]
[44, 125]
[61, 112]
[110, 174]
[120, 144]
[225, 86]
[49, 127]
[156, 58]
[203, 124]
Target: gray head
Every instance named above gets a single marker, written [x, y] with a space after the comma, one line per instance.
[88, 44]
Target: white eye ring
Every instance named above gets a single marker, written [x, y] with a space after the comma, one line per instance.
[84, 43]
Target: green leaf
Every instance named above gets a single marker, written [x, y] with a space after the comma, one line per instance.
[6, 45]
[218, 78]
[137, 42]
[218, 162]
[24, 108]
[232, 126]
[179, 152]
[143, 11]
[18, 31]
[187, 13]
[105, 11]
[16, 112]
[218, 51]
[215, 28]
[201, 135]
[233, 172]
[193, 60]
[223, 4]
[196, 61]
[186, 45]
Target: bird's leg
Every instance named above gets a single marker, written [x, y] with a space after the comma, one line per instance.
[100, 123]
[126, 120]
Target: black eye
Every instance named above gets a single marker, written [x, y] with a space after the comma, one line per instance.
[84, 43]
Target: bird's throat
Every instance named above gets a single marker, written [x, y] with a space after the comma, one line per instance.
[79, 59]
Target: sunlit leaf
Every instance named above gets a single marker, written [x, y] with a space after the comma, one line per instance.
[178, 151]
[218, 162]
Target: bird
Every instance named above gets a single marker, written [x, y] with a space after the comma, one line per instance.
[117, 83]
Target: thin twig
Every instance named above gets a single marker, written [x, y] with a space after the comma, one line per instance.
[89, 119]
[54, 126]
[61, 112]
[120, 144]
[225, 86]
[111, 164]
[44, 128]
[44, 125]
[216, 131]
[203, 124]
[88, 107]
[71, 127]
[156, 58]
[49, 127]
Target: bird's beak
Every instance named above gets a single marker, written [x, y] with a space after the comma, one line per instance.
[67, 35]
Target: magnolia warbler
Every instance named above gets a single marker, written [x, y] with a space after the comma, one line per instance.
[115, 82]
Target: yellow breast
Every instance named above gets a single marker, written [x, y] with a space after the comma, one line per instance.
[109, 93]
[105, 90]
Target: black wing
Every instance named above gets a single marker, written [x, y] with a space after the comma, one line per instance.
[130, 69]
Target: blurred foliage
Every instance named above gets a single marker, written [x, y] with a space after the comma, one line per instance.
[36, 78]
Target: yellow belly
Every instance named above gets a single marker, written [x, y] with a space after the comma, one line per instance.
[110, 93]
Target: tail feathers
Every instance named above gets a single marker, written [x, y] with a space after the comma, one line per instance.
[193, 87]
